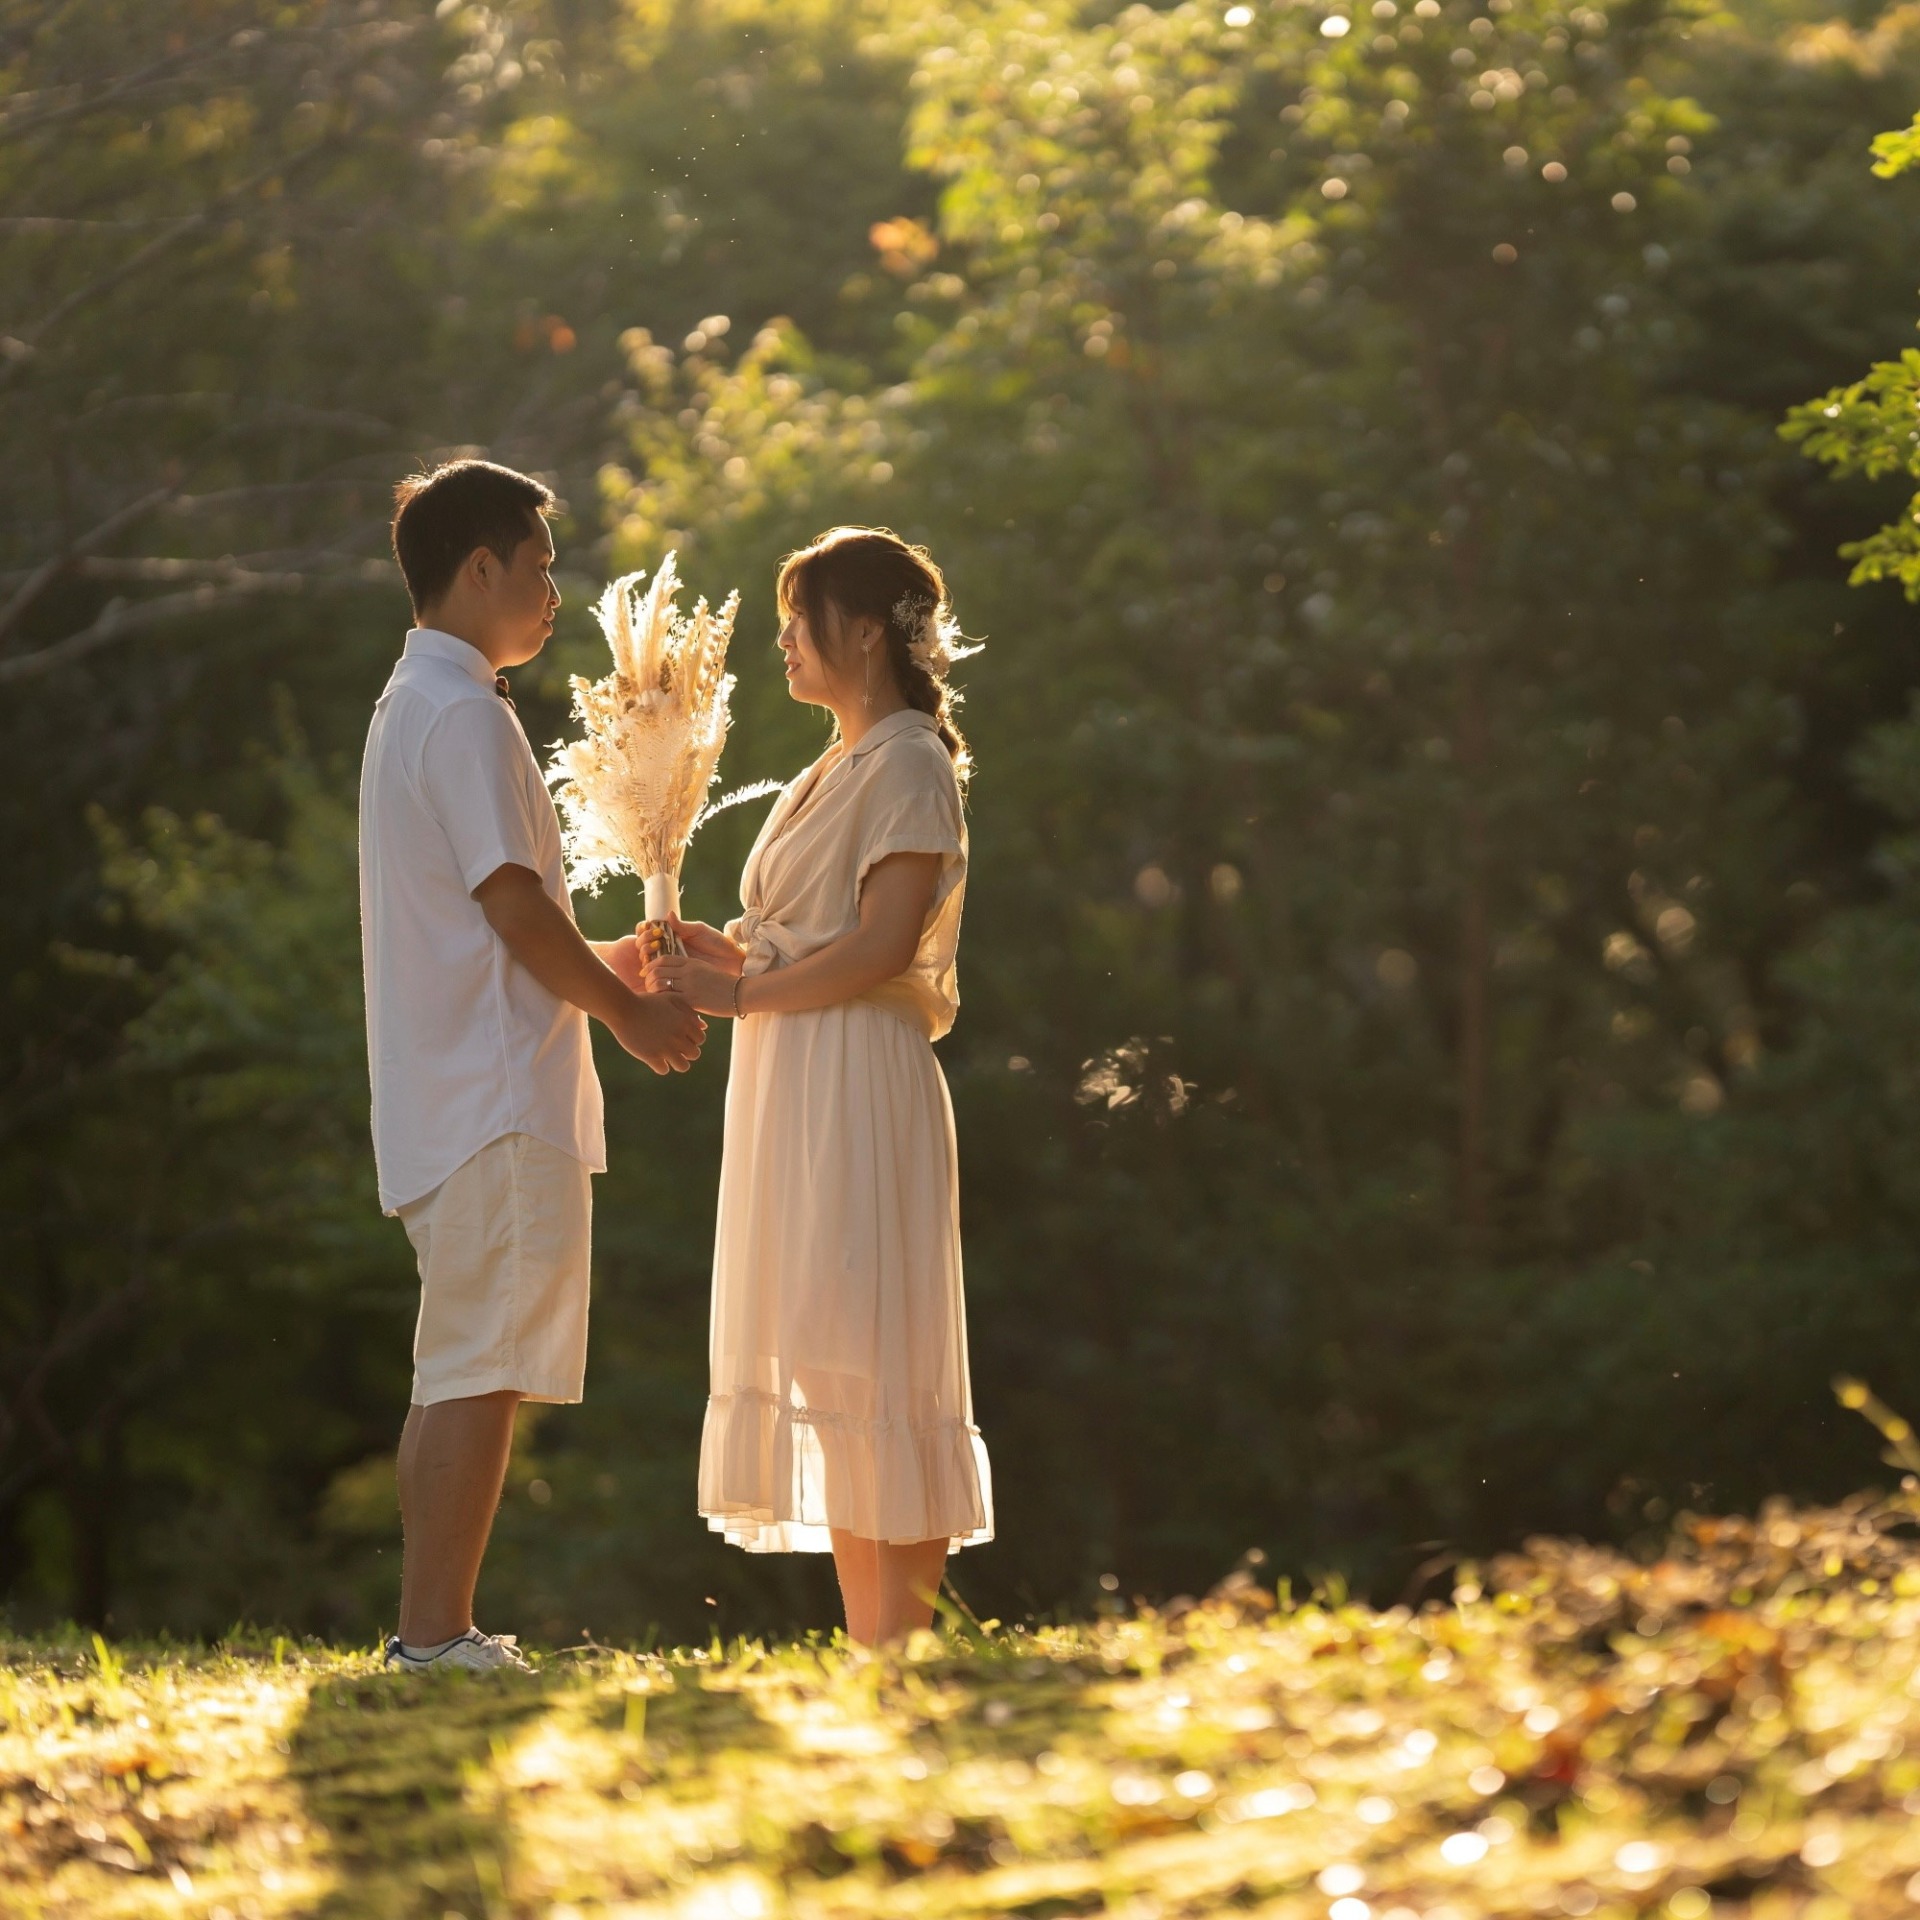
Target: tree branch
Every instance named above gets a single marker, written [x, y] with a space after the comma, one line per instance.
[159, 569]
[61, 223]
[30, 120]
[23, 346]
[122, 618]
[249, 415]
[187, 505]
[45, 575]
[228, 497]
[18, 350]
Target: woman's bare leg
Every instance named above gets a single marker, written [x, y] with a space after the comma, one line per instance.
[856, 1562]
[909, 1576]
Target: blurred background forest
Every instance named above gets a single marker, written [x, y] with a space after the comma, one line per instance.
[1441, 1053]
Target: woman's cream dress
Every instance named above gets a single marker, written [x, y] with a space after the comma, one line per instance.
[839, 1345]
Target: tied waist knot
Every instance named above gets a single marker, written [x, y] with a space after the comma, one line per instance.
[767, 942]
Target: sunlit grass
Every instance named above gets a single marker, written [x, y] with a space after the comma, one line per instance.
[1734, 1728]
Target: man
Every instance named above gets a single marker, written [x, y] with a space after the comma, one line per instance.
[486, 1110]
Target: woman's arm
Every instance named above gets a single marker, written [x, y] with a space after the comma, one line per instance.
[893, 912]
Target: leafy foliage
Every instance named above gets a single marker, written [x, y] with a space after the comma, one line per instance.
[1438, 1050]
[1867, 429]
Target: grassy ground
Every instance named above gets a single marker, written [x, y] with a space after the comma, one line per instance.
[1733, 1730]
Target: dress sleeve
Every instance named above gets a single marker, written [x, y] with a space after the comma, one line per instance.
[767, 942]
[473, 779]
[915, 808]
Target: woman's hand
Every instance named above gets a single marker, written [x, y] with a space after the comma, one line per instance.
[700, 940]
[710, 944]
[705, 986]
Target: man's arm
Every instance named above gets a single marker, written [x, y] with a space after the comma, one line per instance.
[660, 1029]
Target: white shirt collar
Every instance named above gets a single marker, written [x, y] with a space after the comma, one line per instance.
[429, 643]
[887, 728]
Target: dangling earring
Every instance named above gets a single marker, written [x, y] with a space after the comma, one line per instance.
[868, 651]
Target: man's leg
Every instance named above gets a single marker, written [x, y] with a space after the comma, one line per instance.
[453, 1463]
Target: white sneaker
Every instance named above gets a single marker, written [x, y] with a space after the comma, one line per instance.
[473, 1652]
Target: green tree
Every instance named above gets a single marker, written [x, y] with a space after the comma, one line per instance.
[256, 262]
[1866, 429]
[1432, 1061]
[1294, 400]
[189, 460]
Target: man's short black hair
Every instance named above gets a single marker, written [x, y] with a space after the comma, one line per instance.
[439, 518]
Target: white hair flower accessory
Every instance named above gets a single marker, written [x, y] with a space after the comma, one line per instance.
[934, 639]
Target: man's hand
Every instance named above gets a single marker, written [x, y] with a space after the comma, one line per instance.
[540, 934]
[627, 959]
[662, 1029]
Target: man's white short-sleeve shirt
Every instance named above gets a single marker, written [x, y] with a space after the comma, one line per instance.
[464, 1044]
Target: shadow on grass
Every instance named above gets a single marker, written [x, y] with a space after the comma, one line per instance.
[393, 1769]
[401, 1773]
[428, 1793]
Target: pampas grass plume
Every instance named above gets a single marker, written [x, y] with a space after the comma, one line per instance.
[633, 791]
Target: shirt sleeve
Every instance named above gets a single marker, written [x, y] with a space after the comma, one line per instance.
[915, 808]
[473, 778]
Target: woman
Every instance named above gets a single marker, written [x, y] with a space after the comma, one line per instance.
[841, 1413]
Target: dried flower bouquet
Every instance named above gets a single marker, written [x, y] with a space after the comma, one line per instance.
[633, 791]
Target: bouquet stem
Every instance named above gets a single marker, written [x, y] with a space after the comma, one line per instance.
[663, 907]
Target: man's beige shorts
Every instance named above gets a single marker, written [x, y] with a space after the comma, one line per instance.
[504, 1244]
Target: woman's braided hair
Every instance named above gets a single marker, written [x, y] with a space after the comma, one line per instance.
[871, 573]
